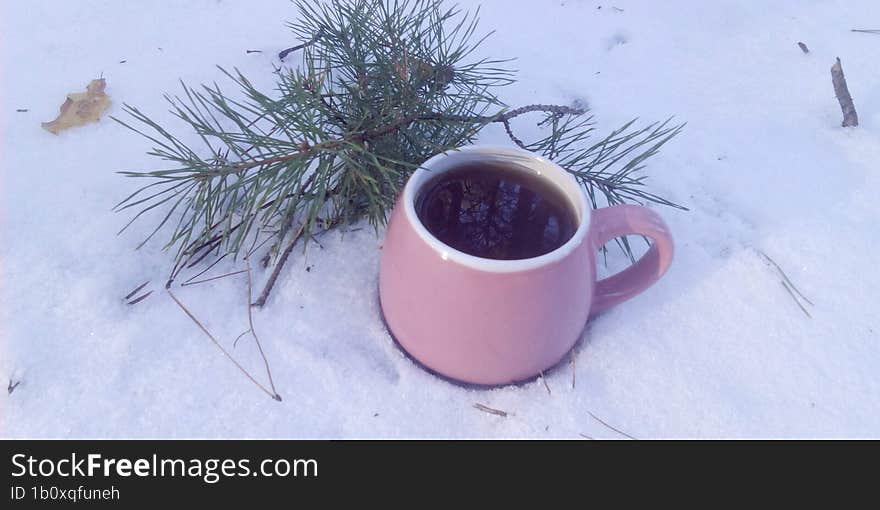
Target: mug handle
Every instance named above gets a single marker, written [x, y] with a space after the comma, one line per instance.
[620, 220]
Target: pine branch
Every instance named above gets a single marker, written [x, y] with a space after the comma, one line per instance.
[382, 87]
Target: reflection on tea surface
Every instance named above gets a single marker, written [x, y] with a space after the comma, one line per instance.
[496, 212]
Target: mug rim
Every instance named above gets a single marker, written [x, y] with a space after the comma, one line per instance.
[562, 179]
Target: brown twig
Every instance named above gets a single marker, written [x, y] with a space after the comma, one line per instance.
[267, 289]
[247, 374]
[487, 409]
[850, 117]
[508, 115]
[513, 136]
[870, 31]
[11, 387]
[615, 429]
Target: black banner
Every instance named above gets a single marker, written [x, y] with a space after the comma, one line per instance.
[239, 472]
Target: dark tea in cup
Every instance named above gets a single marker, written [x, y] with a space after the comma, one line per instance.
[497, 211]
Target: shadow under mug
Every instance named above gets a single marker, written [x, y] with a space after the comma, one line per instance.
[492, 322]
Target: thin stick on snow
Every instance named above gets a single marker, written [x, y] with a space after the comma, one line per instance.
[790, 293]
[586, 436]
[239, 337]
[871, 31]
[573, 369]
[547, 386]
[487, 409]
[250, 314]
[788, 285]
[615, 429]
[785, 277]
[216, 343]
[850, 117]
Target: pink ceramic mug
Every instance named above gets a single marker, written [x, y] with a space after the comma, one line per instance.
[491, 322]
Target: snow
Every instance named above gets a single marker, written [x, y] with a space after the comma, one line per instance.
[717, 349]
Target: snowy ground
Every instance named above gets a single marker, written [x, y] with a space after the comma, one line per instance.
[717, 349]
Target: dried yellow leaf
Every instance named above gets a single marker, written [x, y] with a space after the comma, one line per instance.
[81, 107]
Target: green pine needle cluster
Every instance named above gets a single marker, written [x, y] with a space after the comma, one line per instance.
[382, 86]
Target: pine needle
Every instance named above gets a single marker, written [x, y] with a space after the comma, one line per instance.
[615, 429]
[489, 410]
[196, 282]
[140, 298]
[136, 290]
[796, 295]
